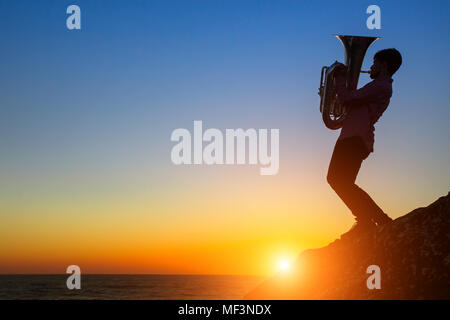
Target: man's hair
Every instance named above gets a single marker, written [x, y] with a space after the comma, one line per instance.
[392, 57]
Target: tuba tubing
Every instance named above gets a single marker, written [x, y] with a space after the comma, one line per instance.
[333, 114]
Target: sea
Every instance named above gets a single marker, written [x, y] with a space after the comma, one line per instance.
[128, 287]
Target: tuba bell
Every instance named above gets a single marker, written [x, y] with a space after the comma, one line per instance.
[333, 113]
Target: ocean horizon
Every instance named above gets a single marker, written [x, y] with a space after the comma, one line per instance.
[127, 287]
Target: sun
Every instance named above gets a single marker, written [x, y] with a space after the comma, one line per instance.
[284, 265]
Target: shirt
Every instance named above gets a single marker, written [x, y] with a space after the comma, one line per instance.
[364, 107]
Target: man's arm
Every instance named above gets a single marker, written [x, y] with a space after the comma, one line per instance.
[357, 97]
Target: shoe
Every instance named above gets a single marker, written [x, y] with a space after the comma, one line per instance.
[382, 219]
[360, 227]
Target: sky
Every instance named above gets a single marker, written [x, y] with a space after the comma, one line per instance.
[86, 117]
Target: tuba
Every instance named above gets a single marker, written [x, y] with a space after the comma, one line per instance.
[333, 113]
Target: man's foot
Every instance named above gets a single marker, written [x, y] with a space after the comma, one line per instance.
[360, 227]
[382, 219]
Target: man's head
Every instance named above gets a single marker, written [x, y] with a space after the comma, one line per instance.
[385, 63]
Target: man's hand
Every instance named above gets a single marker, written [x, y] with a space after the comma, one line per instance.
[340, 75]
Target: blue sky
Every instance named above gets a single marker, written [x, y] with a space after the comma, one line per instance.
[97, 106]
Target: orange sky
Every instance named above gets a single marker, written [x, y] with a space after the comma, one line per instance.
[220, 225]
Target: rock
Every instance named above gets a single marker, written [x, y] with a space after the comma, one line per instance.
[413, 253]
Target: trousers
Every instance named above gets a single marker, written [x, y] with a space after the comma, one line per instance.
[348, 155]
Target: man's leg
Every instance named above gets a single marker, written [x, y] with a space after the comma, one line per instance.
[344, 166]
[365, 202]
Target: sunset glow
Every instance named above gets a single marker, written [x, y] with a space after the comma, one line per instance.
[86, 176]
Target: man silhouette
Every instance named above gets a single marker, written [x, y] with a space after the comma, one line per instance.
[365, 106]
